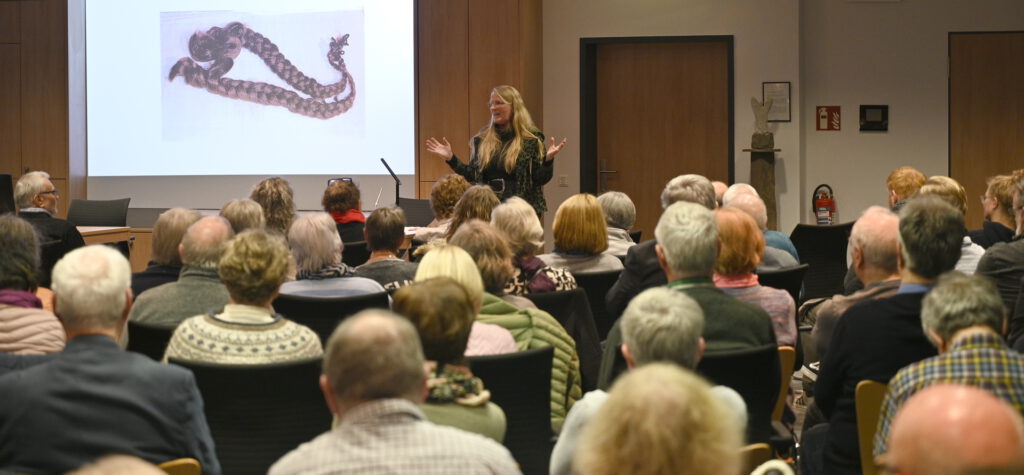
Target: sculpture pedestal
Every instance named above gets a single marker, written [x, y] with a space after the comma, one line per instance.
[762, 178]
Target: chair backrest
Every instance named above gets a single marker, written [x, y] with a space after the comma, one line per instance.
[98, 212]
[149, 340]
[635, 235]
[597, 285]
[258, 413]
[824, 248]
[868, 397]
[182, 466]
[571, 309]
[754, 455]
[789, 279]
[787, 358]
[323, 314]
[521, 384]
[355, 253]
[417, 212]
[754, 374]
[7, 204]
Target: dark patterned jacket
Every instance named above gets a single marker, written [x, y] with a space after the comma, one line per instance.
[528, 178]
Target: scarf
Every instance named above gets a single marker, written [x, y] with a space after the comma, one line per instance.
[536, 281]
[455, 384]
[350, 216]
[735, 281]
[20, 298]
[329, 272]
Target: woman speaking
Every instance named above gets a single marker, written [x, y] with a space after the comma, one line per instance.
[508, 154]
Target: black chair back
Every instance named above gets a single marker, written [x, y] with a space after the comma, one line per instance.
[597, 285]
[824, 248]
[571, 309]
[150, 340]
[98, 212]
[635, 235]
[755, 374]
[258, 413]
[521, 384]
[7, 204]
[417, 212]
[323, 314]
[789, 279]
[355, 253]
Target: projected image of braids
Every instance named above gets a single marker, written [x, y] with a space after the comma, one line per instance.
[218, 47]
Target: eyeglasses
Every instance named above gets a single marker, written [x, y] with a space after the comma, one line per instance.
[335, 180]
[54, 192]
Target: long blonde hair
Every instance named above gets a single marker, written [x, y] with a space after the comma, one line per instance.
[522, 126]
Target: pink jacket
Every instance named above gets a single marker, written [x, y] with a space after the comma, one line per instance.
[29, 331]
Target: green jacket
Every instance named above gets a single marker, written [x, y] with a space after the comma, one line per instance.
[532, 328]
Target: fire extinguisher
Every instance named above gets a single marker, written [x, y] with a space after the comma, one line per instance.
[824, 207]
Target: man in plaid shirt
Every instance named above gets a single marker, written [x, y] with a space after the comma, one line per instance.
[964, 317]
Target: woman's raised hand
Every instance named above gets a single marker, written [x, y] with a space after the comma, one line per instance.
[554, 149]
[442, 148]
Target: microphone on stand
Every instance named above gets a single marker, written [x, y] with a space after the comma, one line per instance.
[398, 182]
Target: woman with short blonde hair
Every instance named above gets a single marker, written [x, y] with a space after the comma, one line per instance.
[952, 192]
[581, 237]
[516, 219]
[243, 214]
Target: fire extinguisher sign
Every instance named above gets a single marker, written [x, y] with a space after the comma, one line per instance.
[827, 118]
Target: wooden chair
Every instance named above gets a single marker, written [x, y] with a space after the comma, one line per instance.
[753, 455]
[824, 248]
[150, 340]
[868, 397]
[182, 466]
[787, 358]
[755, 374]
[521, 384]
[258, 413]
[323, 314]
[355, 253]
[597, 285]
[571, 309]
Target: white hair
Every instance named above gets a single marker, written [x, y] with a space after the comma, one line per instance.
[619, 210]
[28, 186]
[737, 189]
[661, 324]
[315, 241]
[753, 205]
[91, 286]
[688, 235]
[518, 220]
[692, 188]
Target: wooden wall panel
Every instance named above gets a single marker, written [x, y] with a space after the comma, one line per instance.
[44, 87]
[493, 54]
[10, 28]
[10, 109]
[531, 54]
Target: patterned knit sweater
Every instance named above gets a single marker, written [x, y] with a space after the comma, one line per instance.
[242, 334]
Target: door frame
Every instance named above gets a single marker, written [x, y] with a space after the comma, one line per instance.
[588, 98]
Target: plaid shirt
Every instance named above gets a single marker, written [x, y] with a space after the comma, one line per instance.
[981, 359]
[393, 436]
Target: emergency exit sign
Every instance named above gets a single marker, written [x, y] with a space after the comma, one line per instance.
[828, 118]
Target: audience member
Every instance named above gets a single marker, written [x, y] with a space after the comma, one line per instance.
[493, 258]
[94, 399]
[443, 195]
[720, 188]
[640, 268]
[317, 248]
[385, 232]
[873, 252]
[997, 204]
[25, 327]
[37, 198]
[742, 245]
[758, 211]
[518, 221]
[442, 312]
[165, 262]
[687, 248]
[875, 338]
[276, 198]
[476, 203]
[955, 430]
[198, 289]
[963, 317]
[119, 465]
[1004, 262]
[619, 215]
[780, 254]
[736, 190]
[580, 237]
[373, 381]
[246, 330]
[953, 193]
[902, 183]
[244, 214]
[661, 419]
[659, 325]
[341, 200]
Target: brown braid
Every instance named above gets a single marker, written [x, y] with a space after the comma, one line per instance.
[222, 45]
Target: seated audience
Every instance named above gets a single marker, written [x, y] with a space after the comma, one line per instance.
[37, 198]
[373, 382]
[385, 232]
[276, 198]
[580, 237]
[493, 258]
[619, 215]
[1004, 262]
[94, 399]
[199, 288]
[950, 429]
[742, 245]
[640, 268]
[165, 262]
[687, 247]
[518, 221]
[442, 312]
[875, 338]
[903, 183]
[963, 317]
[997, 204]
[780, 253]
[661, 418]
[950, 190]
[341, 200]
[25, 327]
[476, 203]
[443, 195]
[720, 188]
[244, 214]
[246, 330]
[317, 247]
[659, 325]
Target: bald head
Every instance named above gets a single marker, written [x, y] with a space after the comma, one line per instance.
[737, 189]
[952, 429]
[720, 188]
[753, 206]
[204, 241]
[874, 237]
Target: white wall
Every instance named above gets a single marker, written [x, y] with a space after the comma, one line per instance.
[766, 48]
[855, 53]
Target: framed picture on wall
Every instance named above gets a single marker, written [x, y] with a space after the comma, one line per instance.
[779, 93]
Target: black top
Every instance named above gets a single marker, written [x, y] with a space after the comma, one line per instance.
[640, 271]
[990, 233]
[56, 238]
[154, 275]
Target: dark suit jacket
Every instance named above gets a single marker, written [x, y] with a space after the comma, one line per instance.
[56, 238]
[154, 275]
[94, 399]
[640, 272]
